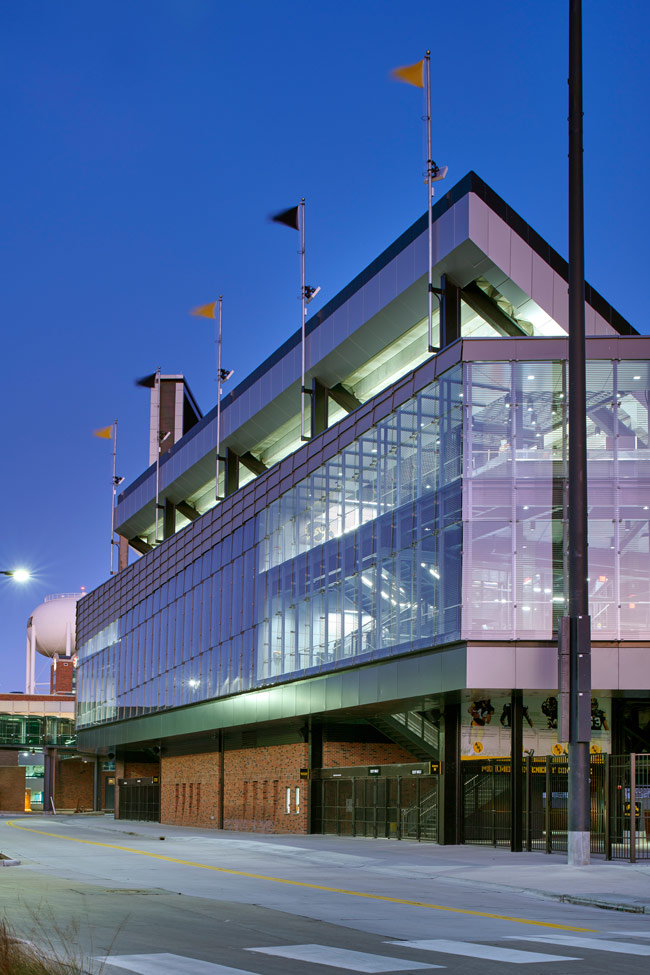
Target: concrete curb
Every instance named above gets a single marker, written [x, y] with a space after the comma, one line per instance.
[582, 900]
[627, 908]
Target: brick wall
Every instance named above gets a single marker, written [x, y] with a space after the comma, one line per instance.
[12, 788]
[189, 791]
[346, 753]
[73, 787]
[140, 770]
[61, 676]
[256, 781]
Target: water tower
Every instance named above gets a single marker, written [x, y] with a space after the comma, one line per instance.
[51, 632]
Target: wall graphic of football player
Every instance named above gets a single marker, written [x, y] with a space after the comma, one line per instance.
[549, 708]
[506, 715]
[598, 717]
[481, 712]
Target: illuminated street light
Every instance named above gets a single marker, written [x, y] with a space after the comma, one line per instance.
[20, 575]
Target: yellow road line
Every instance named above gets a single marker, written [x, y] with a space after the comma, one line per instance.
[300, 883]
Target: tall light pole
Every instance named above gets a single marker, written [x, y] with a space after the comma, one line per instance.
[574, 645]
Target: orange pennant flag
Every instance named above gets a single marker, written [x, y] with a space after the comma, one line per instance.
[412, 74]
[205, 311]
[106, 433]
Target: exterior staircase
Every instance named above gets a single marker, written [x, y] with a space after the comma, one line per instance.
[412, 731]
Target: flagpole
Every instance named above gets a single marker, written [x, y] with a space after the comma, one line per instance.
[157, 540]
[219, 322]
[430, 164]
[114, 489]
[303, 312]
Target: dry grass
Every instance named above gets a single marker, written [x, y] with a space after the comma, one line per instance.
[57, 953]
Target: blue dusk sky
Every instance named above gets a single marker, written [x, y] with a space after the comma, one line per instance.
[145, 143]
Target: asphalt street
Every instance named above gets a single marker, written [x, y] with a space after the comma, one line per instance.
[231, 904]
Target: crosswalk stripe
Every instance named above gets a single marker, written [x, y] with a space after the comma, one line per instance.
[592, 944]
[165, 963]
[355, 961]
[489, 952]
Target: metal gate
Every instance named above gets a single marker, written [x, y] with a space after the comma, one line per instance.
[486, 802]
[139, 799]
[389, 801]
[419, 808]
[402, 802]
[618, 784]
[628, 823]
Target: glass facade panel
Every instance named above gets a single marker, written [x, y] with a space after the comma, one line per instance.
[361, 559]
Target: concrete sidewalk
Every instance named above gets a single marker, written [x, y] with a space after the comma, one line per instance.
[615, 885]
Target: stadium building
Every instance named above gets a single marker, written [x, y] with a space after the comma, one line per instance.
[363, 617]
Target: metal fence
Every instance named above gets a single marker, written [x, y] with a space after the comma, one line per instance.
[390, 805]
[139, 799]
[619, 784]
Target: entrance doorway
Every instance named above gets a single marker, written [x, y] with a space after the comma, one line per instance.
[140, 799]
[389, 801]
[109, 792]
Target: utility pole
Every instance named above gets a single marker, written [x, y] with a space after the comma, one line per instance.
[574, 636]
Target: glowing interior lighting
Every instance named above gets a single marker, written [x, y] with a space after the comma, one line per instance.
[530, 377]
[637, 377]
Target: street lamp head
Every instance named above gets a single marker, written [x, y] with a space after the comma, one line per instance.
[20, 575]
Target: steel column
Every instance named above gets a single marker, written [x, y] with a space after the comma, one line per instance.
[449, 312]
[319, 402]
[516, 771]
[450, 830]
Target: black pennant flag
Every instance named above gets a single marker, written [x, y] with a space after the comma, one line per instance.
[148, 381]
[288, 217]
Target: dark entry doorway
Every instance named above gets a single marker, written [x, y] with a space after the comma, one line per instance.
[140, 799]
[389, 801]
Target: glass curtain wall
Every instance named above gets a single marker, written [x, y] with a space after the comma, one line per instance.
[358, 561]
[362, 559]
[514, 499]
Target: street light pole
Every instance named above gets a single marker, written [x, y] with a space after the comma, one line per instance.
[574, 646]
